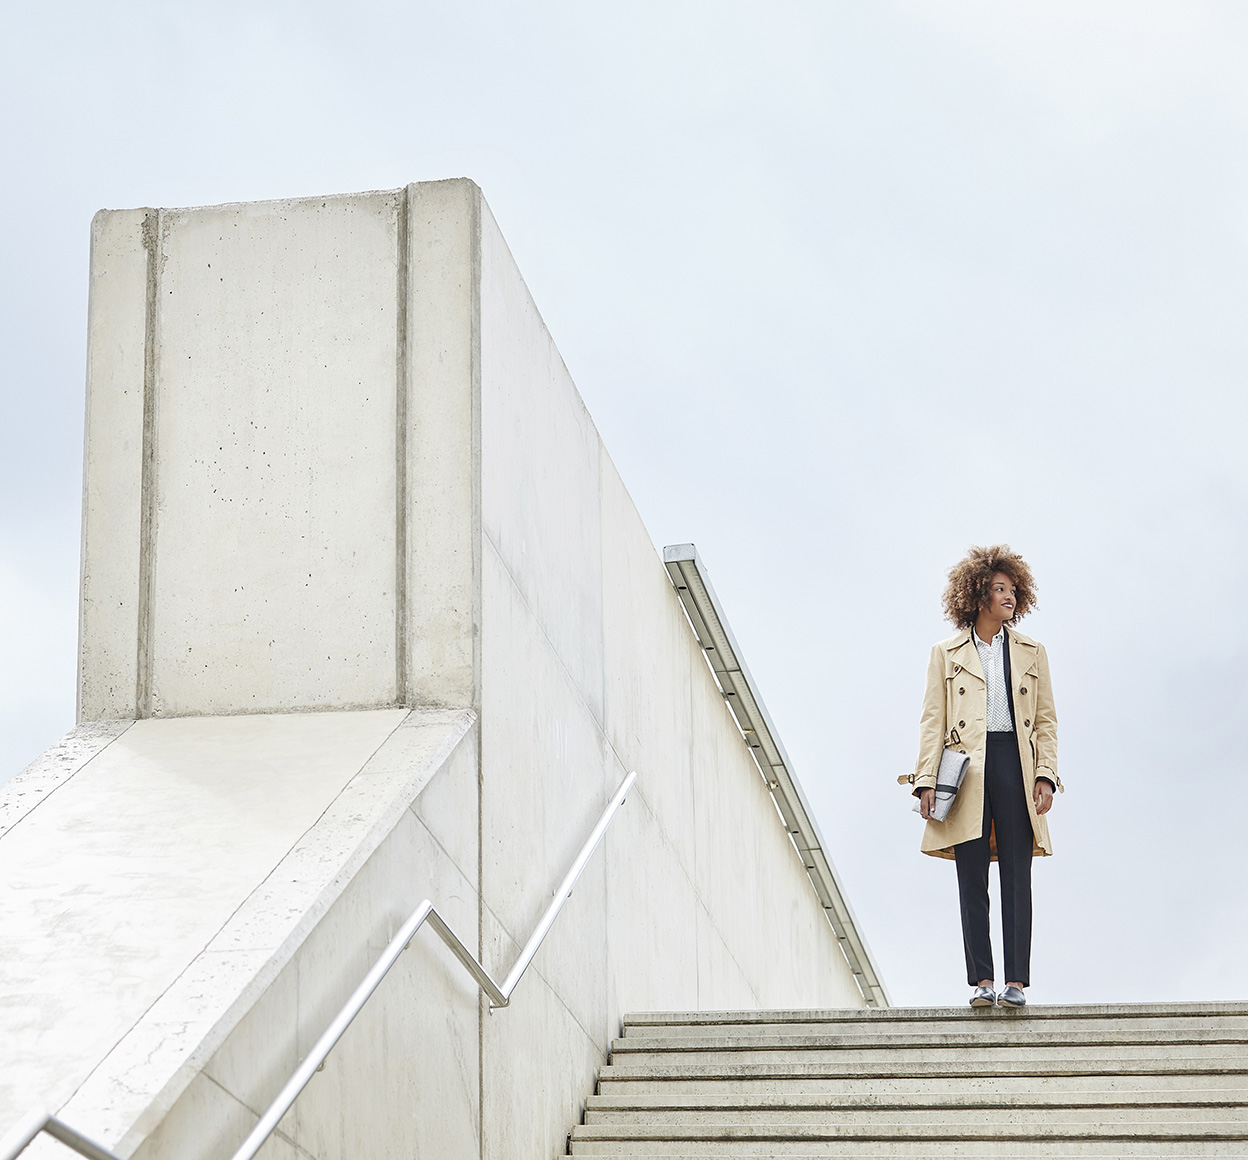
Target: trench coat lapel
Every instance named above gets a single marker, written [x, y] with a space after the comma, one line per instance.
[1022, 661]
[966, 656]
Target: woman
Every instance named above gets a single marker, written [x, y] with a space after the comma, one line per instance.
[988, 695]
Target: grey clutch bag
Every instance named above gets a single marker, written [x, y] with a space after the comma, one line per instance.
[948, 781]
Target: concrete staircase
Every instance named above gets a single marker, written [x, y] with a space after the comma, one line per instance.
[1116, 1081]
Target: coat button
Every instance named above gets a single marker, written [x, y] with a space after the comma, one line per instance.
[1026, 724]
[961, 724]
[961, 691]
[1023, 690]
[957, 668]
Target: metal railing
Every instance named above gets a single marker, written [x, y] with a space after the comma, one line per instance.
[39, 1120]
[723, 654]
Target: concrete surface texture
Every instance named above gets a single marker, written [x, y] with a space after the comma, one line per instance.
[222, 802]
[1110, 1081]
[344, 504]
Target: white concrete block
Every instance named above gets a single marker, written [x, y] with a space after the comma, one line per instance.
[274, 567]
[539, 470]
[113, 469]
[442, 437]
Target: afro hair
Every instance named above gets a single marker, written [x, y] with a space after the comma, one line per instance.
[970, 579]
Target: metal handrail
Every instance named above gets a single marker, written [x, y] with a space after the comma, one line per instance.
[38, 1120]
[723, 654]
[41, 1120]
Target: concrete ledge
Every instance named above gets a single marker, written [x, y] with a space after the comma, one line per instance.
[53, 768]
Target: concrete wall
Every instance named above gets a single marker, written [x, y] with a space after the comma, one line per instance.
[370, 481]
[589, 669]
[241, 472]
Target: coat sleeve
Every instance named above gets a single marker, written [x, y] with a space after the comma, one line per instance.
[1045, 734]
[932, 723]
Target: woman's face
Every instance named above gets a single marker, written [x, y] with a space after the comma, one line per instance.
[1001, 600]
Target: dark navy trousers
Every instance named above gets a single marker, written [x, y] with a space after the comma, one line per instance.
[1005, 810]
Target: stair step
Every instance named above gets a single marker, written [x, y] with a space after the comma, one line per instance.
[1176, 1129]
[904, 1098]
[914, 1150]
[1039, 1084]
[968, 1021]
[735, 1139]
[881, 1019]
[920, 1121]
[907, 1069]
[1042, 1058]
[1001, 1037]
[631, 1083]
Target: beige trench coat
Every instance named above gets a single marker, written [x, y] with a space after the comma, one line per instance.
[955, 708]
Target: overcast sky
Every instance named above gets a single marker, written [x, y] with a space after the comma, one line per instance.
[846, 287]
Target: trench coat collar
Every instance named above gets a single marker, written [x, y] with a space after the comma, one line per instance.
[964, 654]
[1022, 652]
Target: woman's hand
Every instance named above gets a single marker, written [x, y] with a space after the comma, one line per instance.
[927, 802]
[1043, 795]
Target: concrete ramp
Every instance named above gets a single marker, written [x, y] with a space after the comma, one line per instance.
[160, 880]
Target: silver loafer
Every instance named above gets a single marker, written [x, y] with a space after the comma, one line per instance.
[984, 997]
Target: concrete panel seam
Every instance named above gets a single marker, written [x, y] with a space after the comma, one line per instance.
[550, 644]
[667, 841]
[547, 983]
[745, 975]
[443, 614]
[86, 494]
[153, 226]
[242, 1103]
[440, 845]
[401, 387]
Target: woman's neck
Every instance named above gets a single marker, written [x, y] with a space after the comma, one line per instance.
[987, 627]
